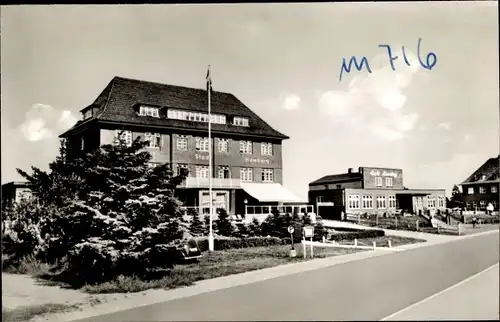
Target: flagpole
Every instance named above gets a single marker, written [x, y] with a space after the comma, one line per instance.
[210, 234]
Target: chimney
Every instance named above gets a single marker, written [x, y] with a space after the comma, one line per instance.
[349, 170]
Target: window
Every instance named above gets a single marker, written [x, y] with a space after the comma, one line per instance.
[240, 121]
[494, 189]
[378, 181]
[440, 202]
[380, 201]
[495, 204]
[392, 201]
[388, 182]
[149, 111]
[201, 171]
[339, 186]
[201, 144]
[154, 139]
[470, 191]
[246, 174]
[467, 204]
[431, 202]
[223, 172]
[474, 205]
[320, 199]
[246, 147]
[223, 145]
[125, 136]
[266, 149]
[482, 204]
[181, 166]
[367, 202]
[267, 175]
[88, 114]
[353, 202]
[182, 143]
[482, 190]
[195, 116]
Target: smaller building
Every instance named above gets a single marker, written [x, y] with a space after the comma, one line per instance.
[13, 192]
[371, 190]
[481, 188]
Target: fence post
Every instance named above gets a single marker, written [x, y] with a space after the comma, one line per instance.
[376, 220]
[324, 239]
[396, 219]
[355, 242]
[459, 229]
[359, 219]
[389, 243]
[374, 245]
[417, 225]
[437, 227]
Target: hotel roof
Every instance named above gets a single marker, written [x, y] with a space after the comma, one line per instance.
[117, 104]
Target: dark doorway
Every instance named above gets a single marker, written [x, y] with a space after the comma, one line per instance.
[330, 212]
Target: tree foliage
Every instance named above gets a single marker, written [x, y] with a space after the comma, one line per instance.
[107, 213]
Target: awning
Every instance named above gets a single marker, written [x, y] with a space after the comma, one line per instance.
[270, 192]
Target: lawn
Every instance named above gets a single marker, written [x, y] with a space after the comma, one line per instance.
[234, 261]
[468, 230]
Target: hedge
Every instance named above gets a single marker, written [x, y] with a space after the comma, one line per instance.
[224, 243]
[369, 233]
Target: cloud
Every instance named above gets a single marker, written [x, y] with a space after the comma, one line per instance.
[444, 126]
[373, 102]
[43, 122]
[291, 102]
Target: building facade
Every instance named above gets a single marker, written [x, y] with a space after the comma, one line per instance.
[14, 192]
[246, 151]
[371, 190]
[482, 186]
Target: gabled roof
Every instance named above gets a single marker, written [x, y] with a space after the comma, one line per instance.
[334, 178]
[489, 171]
[118, 101]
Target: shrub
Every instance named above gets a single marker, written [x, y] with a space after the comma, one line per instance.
[223, 224]
[254, 228]
[196, 225]
[236, 243]
[360, 234]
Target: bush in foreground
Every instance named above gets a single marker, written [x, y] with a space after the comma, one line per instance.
[351, 235]
[224, 243]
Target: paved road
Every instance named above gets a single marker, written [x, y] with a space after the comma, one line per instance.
[475, 299]
[369, 289]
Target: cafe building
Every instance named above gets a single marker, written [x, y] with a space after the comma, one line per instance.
[371, 190]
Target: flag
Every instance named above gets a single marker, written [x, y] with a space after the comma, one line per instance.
[209, 80]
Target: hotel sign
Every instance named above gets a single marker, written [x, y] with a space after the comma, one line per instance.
[198, 156]
[377, 173]
[256, 160]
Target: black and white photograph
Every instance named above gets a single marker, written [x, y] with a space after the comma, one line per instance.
[322, 161]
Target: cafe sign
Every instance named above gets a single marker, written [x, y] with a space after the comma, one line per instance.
[256, 160]
[377, 173]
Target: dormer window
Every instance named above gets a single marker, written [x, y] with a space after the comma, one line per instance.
[90, 112]
[195, 116]
[240, 121]
[149, 111]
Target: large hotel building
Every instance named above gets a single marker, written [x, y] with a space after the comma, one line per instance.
[246, 151]
[371, 190]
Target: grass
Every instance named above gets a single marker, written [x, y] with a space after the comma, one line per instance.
[26, 313]
[384, 241]
[468, 230]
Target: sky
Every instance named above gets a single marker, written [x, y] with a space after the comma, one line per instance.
[284, 62]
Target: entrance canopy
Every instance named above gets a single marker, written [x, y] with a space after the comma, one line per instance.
[269, 192]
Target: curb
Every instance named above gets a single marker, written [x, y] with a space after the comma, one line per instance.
[224, 282]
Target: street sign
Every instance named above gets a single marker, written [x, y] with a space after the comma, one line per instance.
[308, 231]
[291, 229]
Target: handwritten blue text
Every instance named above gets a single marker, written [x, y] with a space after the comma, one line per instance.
[429, 63]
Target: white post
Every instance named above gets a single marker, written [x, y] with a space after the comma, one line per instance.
[374, 245]
[459, 229]
[312, 254]
[304, 246]
[210, 234]
[355, 242]
[389, 243]
[324, 239]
